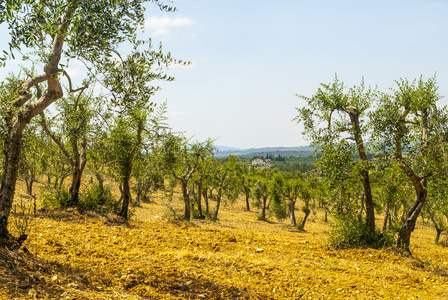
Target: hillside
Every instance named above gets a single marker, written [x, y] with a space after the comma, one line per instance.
[87, 256]
[249, 153]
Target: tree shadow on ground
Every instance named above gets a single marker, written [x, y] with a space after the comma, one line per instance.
[25, 275]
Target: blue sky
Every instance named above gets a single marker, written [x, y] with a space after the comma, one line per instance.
[249, 59]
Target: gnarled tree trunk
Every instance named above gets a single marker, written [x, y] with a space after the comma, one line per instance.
[364, 172]
[126, 198]
[204, 194]
[185, 193]
[17, 121]
[9, 179]
[420, 187]
[307, 212]
[126, 187]
[264, 200]
[292, 213]
[247, 194]
[404, 236]
[199, 199]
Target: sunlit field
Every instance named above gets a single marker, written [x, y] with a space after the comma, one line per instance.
[75, 255]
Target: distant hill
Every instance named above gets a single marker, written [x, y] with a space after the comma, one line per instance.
[248, 153]
[225, 148]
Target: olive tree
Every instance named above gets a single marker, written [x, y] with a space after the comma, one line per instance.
[288, 186]
[264, 189]
[334, 114]
[125, 142]
[245, 181]
[52, 32]
[33, 157]
[130, 81]
[70, 131]
[225, 179]
[404, 127]
[181, 159]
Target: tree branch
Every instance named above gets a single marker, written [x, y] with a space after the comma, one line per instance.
[25, 93]
[70, 84]
[56, 139]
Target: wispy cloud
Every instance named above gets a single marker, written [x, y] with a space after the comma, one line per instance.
[162, 26]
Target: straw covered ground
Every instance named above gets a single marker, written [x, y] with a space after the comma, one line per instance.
[75, 255]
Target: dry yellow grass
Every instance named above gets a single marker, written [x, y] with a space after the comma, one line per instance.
[86, 256]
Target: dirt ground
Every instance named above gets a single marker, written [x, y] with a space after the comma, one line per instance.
[75, 255]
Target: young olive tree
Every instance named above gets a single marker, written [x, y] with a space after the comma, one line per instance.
[288, 187]
[334, 114]
[71, 126]
[245, 181]
[264, 189]
[33, 156]
[148, 174]
[125, 143]
[202, 181]
[130, 81]
[404, 129]
[181, 160]
[225, 179]
[393, 190]
[308, 192]
[52, 32]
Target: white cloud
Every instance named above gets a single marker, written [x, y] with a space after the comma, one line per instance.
[74, 73]
[161, 26]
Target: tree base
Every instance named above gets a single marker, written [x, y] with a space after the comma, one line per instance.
[12, 243]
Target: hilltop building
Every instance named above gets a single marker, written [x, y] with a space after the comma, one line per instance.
[257, 161]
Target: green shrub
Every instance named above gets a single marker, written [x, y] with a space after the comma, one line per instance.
[280, 209]
[22, 218]
[171, 213]
[348, 232]
[261, 218]
[60, 198]
[444, 241]
[99, 200]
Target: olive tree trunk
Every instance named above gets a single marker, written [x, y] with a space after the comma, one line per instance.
[247, 194]
[77, 160]
[420, 187]
[364, 172]
[186, 195]
[219, 195]
[264, 200]
[126, 193]
[204, 194]
[199, 199]
[19, 115]
[292, 213]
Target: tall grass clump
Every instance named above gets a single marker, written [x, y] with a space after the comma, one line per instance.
[100, 200]
[349, 232]
[59, 198]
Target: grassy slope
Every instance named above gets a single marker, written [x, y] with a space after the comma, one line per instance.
[78, 256]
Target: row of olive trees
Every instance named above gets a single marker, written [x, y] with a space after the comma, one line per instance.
[404, 134]
[203, 178]
[159, 155]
